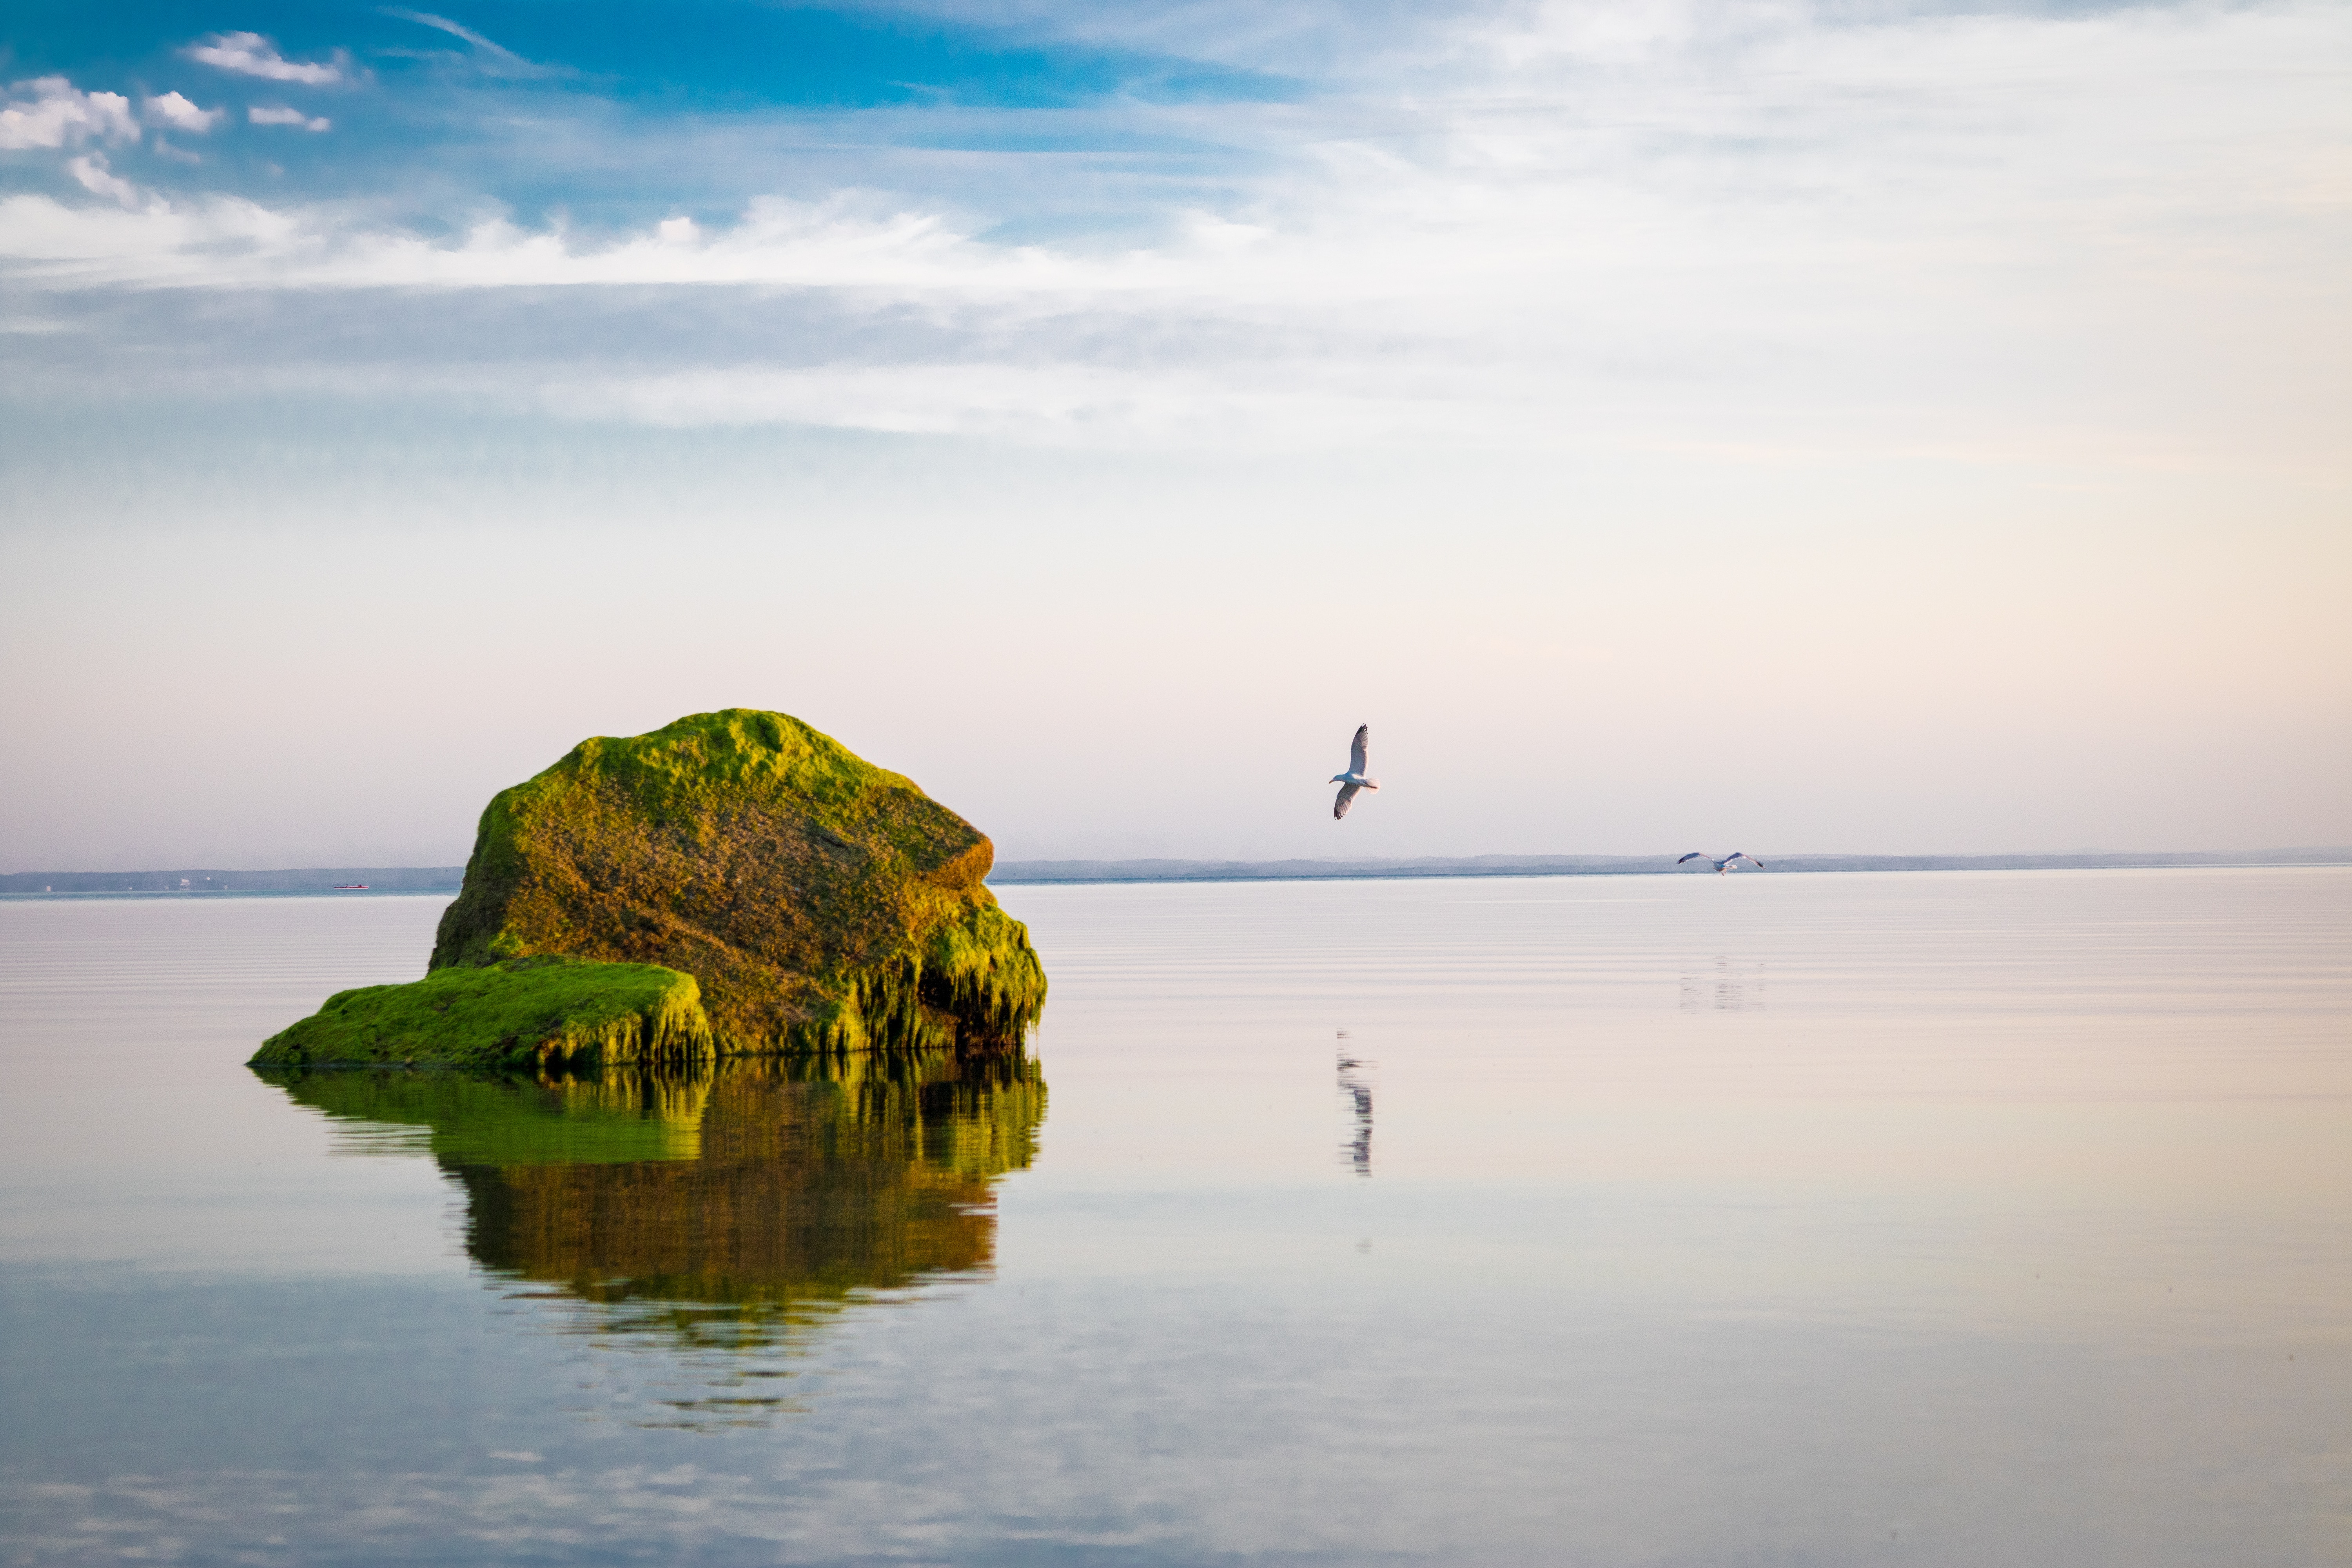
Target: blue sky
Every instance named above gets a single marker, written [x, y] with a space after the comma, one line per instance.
[1825, 426]
[707, 54]
[597, 115]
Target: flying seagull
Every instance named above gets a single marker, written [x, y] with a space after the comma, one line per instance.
[1353, 779]
[1725, 864]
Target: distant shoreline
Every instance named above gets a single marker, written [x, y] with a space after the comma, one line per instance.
[212, 881]
[413, 879]
[1020, 872]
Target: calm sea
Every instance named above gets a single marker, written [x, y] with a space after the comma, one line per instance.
[1965, 1218]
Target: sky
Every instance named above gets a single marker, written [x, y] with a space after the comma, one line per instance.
[1670, 424]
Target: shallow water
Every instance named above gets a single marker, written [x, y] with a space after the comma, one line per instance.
[1926, 1219]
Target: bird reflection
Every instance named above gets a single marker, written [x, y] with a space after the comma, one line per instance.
[722, 1213]
[1733, 987]
[1357, 1085]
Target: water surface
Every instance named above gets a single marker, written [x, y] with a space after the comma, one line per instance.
[1939, 1218]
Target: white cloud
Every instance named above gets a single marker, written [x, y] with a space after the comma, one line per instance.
[849, 242]
[250, 54]
[280, 115]
[91, 173]
[58, 115]
[181, 114]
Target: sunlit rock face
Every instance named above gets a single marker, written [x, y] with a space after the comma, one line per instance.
[719, 1206]
[822, 903]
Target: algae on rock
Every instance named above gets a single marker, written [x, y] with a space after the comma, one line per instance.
[544, 1010]
[823, 903]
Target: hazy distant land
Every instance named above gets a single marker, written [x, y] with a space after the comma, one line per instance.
[212, 879]
[1616, 866]
[446, 878]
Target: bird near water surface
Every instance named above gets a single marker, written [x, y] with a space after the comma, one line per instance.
[1725, 864]
[1353, 779]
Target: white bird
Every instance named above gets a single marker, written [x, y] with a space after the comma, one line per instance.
[1353, 779]
[1725, 864]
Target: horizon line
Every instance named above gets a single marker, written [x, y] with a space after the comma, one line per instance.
[1171, 869]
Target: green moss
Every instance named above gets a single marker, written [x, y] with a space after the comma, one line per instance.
[824, 904]
[538, 1010]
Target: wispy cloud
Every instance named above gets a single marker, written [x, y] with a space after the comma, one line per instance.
[250, 54]
[180, 113]
[261, 115]
[91, 173]
[496, 55]
[57, 114]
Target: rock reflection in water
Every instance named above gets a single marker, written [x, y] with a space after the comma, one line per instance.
[719, 1213]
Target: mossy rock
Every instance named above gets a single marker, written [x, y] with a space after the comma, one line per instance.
[824, 904]
[546, 1011]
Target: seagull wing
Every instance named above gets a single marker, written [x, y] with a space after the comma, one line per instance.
[1743, 854]
[1356, 748]
[1347, 797]
[1694, 855]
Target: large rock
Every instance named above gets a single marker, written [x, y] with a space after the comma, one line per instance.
[820, 902]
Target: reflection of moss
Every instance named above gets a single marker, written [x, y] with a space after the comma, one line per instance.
[547, 1010]
[753, 1187]
[823, 903]
[513, 1120]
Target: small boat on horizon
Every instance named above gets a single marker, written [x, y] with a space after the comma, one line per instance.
[350, 887]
